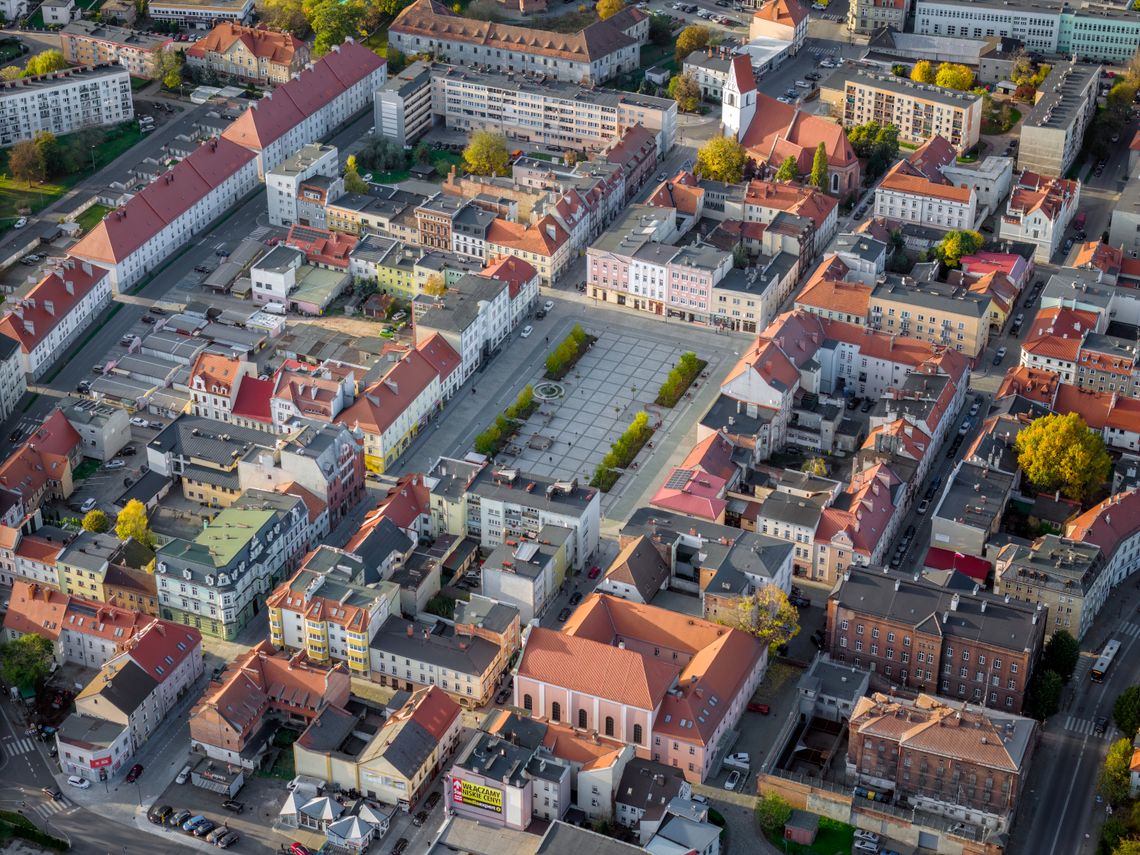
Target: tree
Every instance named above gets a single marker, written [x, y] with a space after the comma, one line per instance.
[332, 21]
[435, 286]
[283, 15]
[1126, 711]
[923, 72]
[170, 64]
[772, 811]
[48, 146]
[685, 91]
[132, 522]
[877, 144]
[815, 466]
[767, 614]
[353, 183]
[396, 60]
[26, 661]
[955, 244]
[609, 8]
[721, 159]
[1044, 694]
[11, 72]
[26, 162]
[486, 154]
[660, 32]
[96, 521]
[953, 76]
[1061, 654]
[899, 70]
[45, 63]
[1059, 452]
[693, 37]
[1127, 847]
[819, 174]
[380, 154]
[789, 170]
[1115, 776]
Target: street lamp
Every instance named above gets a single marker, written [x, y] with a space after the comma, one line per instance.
[92, 158]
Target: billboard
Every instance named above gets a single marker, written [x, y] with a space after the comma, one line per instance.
[467, 793]
[97, 762]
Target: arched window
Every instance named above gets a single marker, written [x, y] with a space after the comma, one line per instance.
[609, 725]
[582, 719]
[528, 702]
[556, 711]
[637, 734]
[835, 183]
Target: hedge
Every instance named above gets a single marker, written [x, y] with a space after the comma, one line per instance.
[687, 370]
[492, 440]
[566, 355]
[621, 454]
[18, 825]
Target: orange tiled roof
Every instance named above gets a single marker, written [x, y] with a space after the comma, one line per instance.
[1036, 384]
[383, 401]
[901, 179]
[279, 48]
[787, 12]
[781, 130]
[827, 290]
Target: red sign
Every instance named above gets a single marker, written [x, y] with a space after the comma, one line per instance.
[99, 762]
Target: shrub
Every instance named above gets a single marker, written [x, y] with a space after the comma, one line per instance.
[680, 379]
[622, 452]
[566, 355]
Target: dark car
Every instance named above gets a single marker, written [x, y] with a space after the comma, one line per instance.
[420, 818]
[910, 531]
[227, 840]
[233, 805]
[222, 253]
[203, 828]
[177, 818]
[503, 697]
[158, 814]
[575, 598]
[540, 314]
[852, 403]
[868, 405]
[15, 436]
[201, 268]
[799, 602]
[432, 800]
[133, 775]
[128, 451]
[53, 793]
[1100, 725]
[157, 310]
[147, 319]
[563, 615]
[758, 708]
[400, 846]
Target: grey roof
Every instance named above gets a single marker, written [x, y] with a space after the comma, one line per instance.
[280, 259]
[486, 613]
[448, 477]
[724, 415]
[899, 86]
[207, 439]
[701, 256]
[1059, 563]
[8, 347]
[330, 732]
[458, 308]
[1064, 94]
[565, 839]
[460, 834]
[128, 686]
[828, 679]
[373, 247]
[649, 786]
[409, 748]
[555, 89]
[545, 494]
[934, 610]
[793, 510]
[410, 80]
[472, 220]
[932, 295]
[499, 758]
[438, 645]
[689, 834]
[378, 545]
[644, 568]
[90, 551]
[710, 60]
[975, 496]
[86, 732]
[860, 246]
[804, 820]
[302, 159]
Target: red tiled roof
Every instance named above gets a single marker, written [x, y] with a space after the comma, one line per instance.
[701, 496]
[1093, 407]
[322, 246]
[543, 238]
[314, 504]
[1036, 384]
[792, 198]
[1035, 192]
[434, 710]
[28, 321]
[900, 179]
[162, 646]
[827, 290]
[865, 519]
[383, 401]
[1109, 523]
[713, 454]
[279, 48]
[512, 270]
[682, 192]
[781, 130]
[1057, 333]
[787, 12]
[440, 354]
[1101, 256]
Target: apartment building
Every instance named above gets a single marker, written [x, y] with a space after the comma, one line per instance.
[1053, 132]
[676, 666]
[41, 468]
[13, 375]
[905, 196]
[1065, 576]
[547, 112]
[285, 183]
[55, 312]
[593, 55]
[248, 54]
[781, 20]
[1038, 212]
[918, 110]
[709, 70]
[951, 758]
[201, 14]
[867, 16]
[1124, 228]
[64, 102]
[919, 636]
[1087, 29]
[933, 312]
[473, 317]
[403, 106]
[545, 245]
[88, 43]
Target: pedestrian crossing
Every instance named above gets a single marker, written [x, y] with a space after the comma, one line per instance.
[50, 808]
[1082, 726]
[822, 51]
[259, 232]
[1130, 629]
[15, 746]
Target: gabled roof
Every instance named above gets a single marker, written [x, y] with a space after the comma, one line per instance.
[640, 566]
[1109, 523]
[162, 646]
[512, 270]
[440, 354]
[780, 130]
[692, 493]
[383, 401]
[713, 455]
[28, 321]
[279, 48]
[787, 12]
[253, 400]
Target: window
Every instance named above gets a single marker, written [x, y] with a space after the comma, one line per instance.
[609, 725]
[528, 702]
[556, 711]
[859, 629]
[637, 734]
[581, 719]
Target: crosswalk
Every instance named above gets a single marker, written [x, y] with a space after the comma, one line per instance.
[1081, 726]
[1130, 629]
[17, 745]
[50, 807]
[822, 51]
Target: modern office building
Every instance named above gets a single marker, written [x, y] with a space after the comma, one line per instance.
[404, 105]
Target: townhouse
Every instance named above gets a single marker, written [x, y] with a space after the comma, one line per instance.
[593, 55]
[64, 102]
[867, 16]
[522, 284]
[545, 245]
[950, 759]
[228, 723]
[1039, 211]
[782, 20]
[214, 384]
[1111, 526]
[527, 576]
[328, 610]
[54, 312]
[908, 196]
[688, 679]
[88, 43]
[1055, 340]
[289, 185]
[248, 54]
[41, 468]
[918, 110]
[1060, 574]
[473, 317]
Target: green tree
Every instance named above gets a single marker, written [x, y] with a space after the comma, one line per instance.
[955, 244]
[132, 522]
[45, 63]
[26, 162]
[819, 172]
[26, 661]
[1112, 832]
[1126, 711]
[815, 466]
[1060, 452]
[1061, 654]
[685, 91]
[693, 37]
[353, 183]
[923, 72]
[48, 146]
[772, 811]
[11, 72]
[789, 170]
[333, 21]
[96, 521]
[609, 8]
[767, 614]
[283, 15]
[721, 159]
[877, 144]
[1044, 696]
[1115, 776]
[900, 70]
[660, 32]
[953, 76]
[1127, 847]
[487, 154]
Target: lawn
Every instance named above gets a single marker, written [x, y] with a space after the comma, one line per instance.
[138, 83]
[90, 218]
[11, 48]
[833, 837]
[85, 469]
[992, 124]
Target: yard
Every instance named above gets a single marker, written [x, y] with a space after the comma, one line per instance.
[833, 837]
[90, 218]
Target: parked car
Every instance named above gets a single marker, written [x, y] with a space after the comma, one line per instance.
[868, 405]
[183, 776]
[502, 697]
[201, 268]
[420, 818]
[865, 847]
[432, 799]
[739, 757]
[923, 506]
[564, 615]
[400, 846]
[233, 805]
[575, 598]
[869, 836]
[548, 305]
[799, 602]
[136, 770]
[526, 331]
[227, 840]
[763, 709]
[908, 535]
[114, 464]
[158, 814]
[964, 428]
[193, 822]
[999, 356]
[539, 315]
[88, 505]
[53, 793]
[140, 422]
[733, 781]
[595, 572]
[216, 832]
[176, 819]
[20, 223]
[128, 451]
[701, 800]
[297, 849]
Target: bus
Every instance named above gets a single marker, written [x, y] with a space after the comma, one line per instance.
[1105, 661]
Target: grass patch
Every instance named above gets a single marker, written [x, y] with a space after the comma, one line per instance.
[138, 83]
[85, 469]
[908, 146]
[90, 218]
[992, 124]
[571, 22]
[284, 738]
[833, 837]
[393, 177]
[11, 48]
[17, 825]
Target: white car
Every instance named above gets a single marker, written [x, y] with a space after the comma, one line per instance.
[547, 306]
[865, 847]
[733, 781]
[88, 505]
[20, 223]
[183, 776]
[81, 783]
[527, 330]
[742, 757]
[367, 176]
[140, 423]
[869, 836]
[114, 464]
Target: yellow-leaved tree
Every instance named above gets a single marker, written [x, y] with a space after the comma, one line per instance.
[486, 154]
[721, 159]
[1059, 452]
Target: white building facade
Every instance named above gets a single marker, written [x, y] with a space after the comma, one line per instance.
[64, 102]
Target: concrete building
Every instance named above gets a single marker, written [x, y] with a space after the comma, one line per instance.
[933, 312]
[104, 429]
[918, 110]
[64, 102]
[908, 197]
[1124, 228]
[780, 20]
[57, 12]
[202, 14]
[88, 43]
[1057, 573]
[248, 54]
[13, 377]
[593, 55]
[1053, 132]
[403, 105]
[709, 69]
[867, 16]
[529, 575]
[1039, 211]
[473, 317]
[284, 183]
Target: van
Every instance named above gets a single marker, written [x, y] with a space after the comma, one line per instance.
[274, 308]
[803, 84]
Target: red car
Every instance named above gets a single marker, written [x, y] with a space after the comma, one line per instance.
[133, 775]
[595, 572]
[759, 708]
